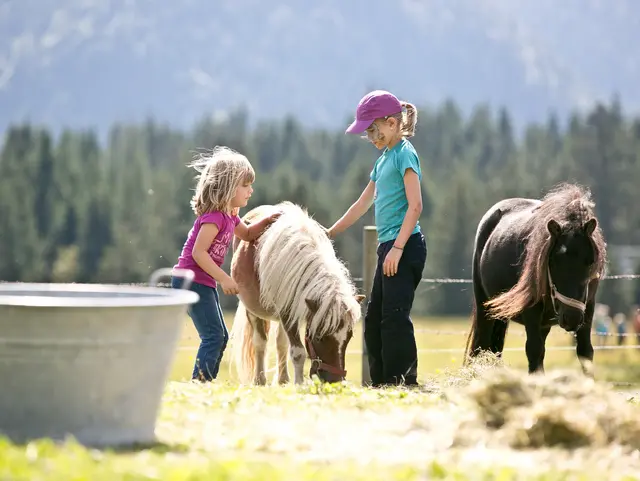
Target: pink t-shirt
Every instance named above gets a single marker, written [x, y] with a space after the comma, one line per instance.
[226, 224]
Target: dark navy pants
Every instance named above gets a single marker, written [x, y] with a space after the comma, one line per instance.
[388, 329]
[209, 322]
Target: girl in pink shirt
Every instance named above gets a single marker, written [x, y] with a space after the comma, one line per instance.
[224, 186]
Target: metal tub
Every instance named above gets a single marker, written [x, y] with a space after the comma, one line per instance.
[87, 360]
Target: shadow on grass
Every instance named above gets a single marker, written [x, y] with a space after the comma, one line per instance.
[157, 447]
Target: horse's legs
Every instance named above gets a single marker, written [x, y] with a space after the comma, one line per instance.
[260, 347]
[498, 337]
[584, 347]
[482, 324]
[281, 348]
[544, 332]
[534, 346]
[296, 351]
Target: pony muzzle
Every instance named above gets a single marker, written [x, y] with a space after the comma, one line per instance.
[326, 372]
[571, 315]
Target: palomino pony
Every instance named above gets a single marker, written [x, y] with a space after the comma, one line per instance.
[537, 262]
[291, 275]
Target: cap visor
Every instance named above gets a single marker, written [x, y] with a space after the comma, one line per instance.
[358, 126]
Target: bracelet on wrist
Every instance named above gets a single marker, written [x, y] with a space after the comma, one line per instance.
[399, 248]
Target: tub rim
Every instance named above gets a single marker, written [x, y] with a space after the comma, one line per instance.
[147, 296]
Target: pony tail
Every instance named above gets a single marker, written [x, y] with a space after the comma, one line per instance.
[409, 119]
[243, 354]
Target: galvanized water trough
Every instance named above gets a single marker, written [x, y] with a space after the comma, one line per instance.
[87, 360]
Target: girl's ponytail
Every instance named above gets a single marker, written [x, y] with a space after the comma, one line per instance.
[409, 119]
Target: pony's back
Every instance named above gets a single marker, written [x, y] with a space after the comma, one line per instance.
[295, 262]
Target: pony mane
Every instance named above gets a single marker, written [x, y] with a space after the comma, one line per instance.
[295, 261]
[571, 206]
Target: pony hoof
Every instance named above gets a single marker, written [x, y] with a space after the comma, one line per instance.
[587, 368]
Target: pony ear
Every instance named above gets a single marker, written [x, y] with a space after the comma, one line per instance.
[312, 304]
[360, 298]
[590, 226]
[554, 228]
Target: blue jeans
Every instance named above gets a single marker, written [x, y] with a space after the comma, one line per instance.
[209, 322]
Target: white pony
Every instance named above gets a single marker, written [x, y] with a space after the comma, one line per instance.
[291, 275]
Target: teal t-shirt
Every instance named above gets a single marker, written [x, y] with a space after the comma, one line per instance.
[390, 200]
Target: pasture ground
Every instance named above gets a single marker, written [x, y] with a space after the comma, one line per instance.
[622, 366]
[482, 423]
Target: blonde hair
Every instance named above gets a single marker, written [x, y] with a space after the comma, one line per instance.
[407, 119]
[222, 171]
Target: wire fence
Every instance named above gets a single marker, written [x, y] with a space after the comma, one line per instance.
[600, 344]
[463, 333]
[461, 349]
[447, 280]
[435, 280]
[359, 280]
[445, 332]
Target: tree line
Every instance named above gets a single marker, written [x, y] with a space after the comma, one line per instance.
[73, 209]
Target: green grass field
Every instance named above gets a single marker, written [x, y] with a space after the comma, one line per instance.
[556, 427]
[219, 431]
[611, 365]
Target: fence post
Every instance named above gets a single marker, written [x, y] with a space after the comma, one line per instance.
[370, 242]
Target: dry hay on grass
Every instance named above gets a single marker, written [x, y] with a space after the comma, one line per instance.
[481, 417]
[560, 409]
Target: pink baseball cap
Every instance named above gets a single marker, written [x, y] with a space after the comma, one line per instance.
[374, 105]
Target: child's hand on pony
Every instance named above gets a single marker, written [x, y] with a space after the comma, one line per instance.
[229, 286]
[274, 217]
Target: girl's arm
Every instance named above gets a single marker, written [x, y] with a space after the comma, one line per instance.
[200, 253]
[357, 210]
[414, 199]
[252, 232]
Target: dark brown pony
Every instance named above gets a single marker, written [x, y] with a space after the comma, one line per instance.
[537, 262]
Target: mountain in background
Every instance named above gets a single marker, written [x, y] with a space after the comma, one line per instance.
[90, 63]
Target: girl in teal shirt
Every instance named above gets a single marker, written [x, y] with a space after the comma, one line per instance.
[394, 190]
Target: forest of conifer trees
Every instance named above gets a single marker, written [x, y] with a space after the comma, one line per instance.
[75, 209]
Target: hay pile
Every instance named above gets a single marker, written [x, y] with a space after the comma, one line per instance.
[560, 409]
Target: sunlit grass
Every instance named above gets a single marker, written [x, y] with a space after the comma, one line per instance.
[434, 333]
[336, 432]
[566, 429]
